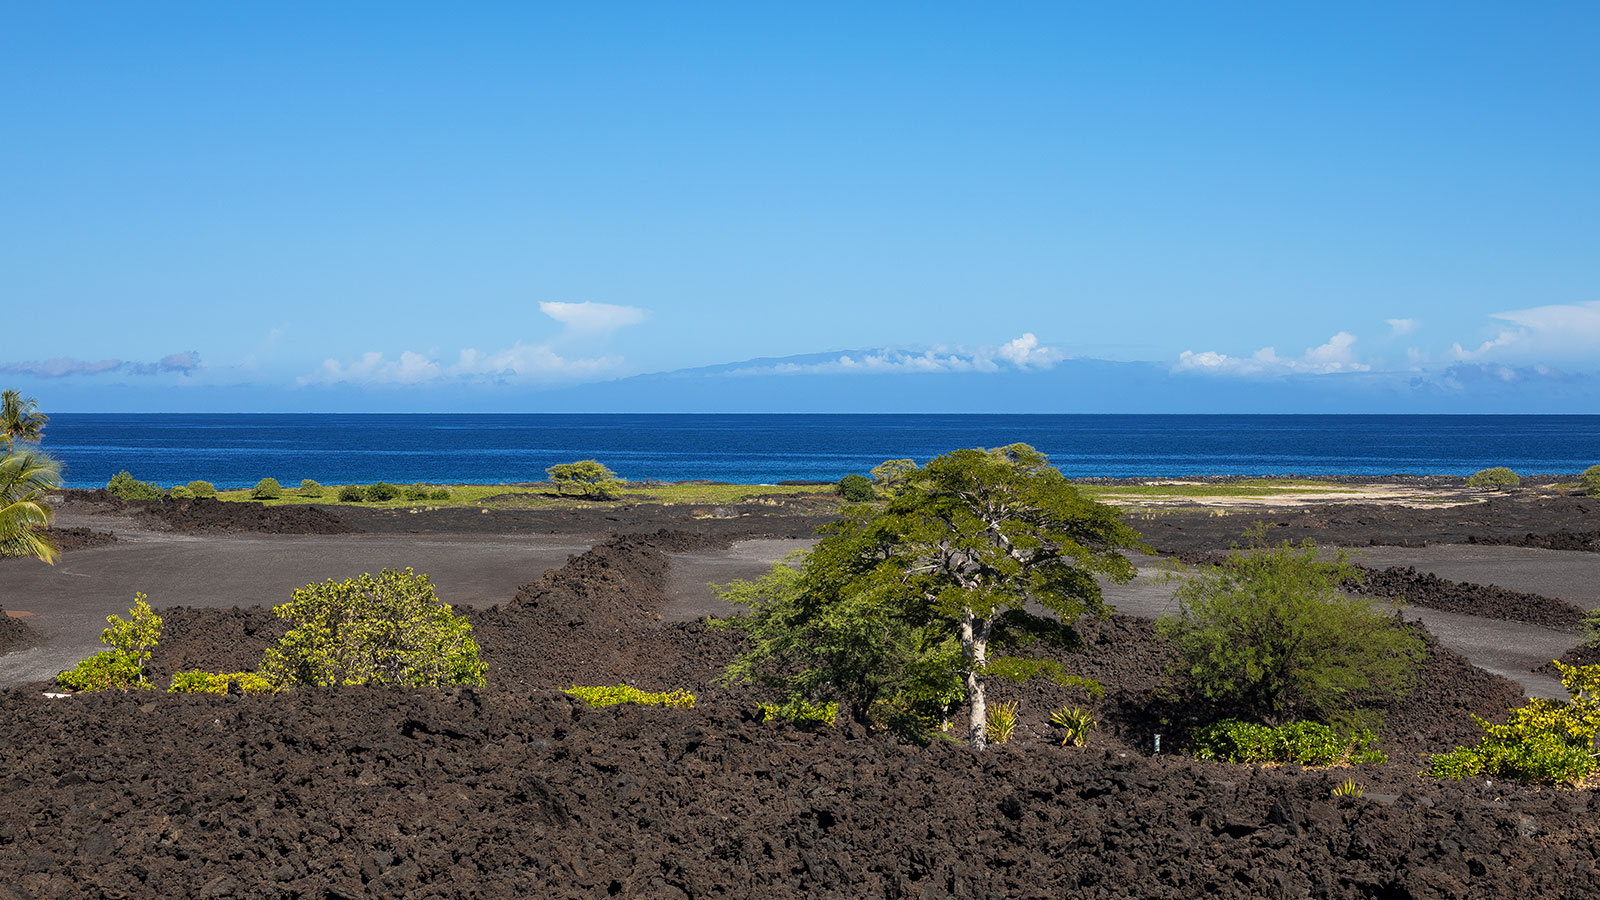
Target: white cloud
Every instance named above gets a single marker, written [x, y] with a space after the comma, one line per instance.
[1541, 333]
[1337, 355]
[1398, 327]
[594, 318]
[538, 363]
[1022, 353]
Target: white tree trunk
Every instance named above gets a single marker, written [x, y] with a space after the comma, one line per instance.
[975, 644]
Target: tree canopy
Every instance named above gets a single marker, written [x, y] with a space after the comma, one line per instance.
[896, 612]
[20, 418]
[589, 477]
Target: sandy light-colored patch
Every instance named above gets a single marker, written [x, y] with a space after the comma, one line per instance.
[1253, 496]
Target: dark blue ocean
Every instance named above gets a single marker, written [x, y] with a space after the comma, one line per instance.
[239, 450]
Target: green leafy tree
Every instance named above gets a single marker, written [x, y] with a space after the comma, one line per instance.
[310, 488]
[20, 418]
[910, 609]
[588, 477]
[856, 488]
[890, 476]
[24, 478]
[1269, 636]
[202, 489]
[385, 629]
[267, 489]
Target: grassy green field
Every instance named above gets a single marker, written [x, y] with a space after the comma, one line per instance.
[543, 495]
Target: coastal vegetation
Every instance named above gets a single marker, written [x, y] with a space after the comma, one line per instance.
[267, 489]
[855, 488]
[1590, 481]
[589, 478]
[122, 667]
[1498, 478]
[1544, 742]
[127, 487]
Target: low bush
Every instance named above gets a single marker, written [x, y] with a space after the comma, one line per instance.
[622, 693]
[121, 667]
[1590, 479]
[217, 683]
[591, 478]
[309, 488]
[179, 492]
[440, 494]
[352, 493]
[1075, 723]
[1498, 479]
[127, 487]
[203, 489]
[377, 493]
[267, 489]
[855, 488]
[1307, 743]
[418, 491]
[385, 629]
[800, 712]
[1543, 742]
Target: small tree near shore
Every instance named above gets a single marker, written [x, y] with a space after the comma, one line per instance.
[1498, 478]
[589, 477]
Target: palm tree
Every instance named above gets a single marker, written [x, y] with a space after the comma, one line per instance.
[24, 477]
[20, 417]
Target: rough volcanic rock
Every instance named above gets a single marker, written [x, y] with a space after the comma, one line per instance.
[1487, 601]
[15, 634]
[1552, 540]
[395, 793]
[213, 640]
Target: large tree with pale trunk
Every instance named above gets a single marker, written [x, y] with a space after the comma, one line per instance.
[910, 609]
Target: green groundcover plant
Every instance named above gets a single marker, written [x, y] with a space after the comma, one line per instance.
[1307, 743]
[1544, 742]
[622, 693]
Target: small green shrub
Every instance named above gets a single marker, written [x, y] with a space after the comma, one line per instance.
[377, 493]
[1000, 722]
[440, 494]
[179, 492]
[121, 667]
[267, 489]
[855, 488]
[217, 683]
[800, 712]
[1498, 478]
[418, 491]
[1590, 479]
[1307, 743]
[352, 493]
[127, 487]
[589, 477]
[385, 629]
[203, 489]
[1076, 724]
[309, 488]
[622, 693]
[1543, 742]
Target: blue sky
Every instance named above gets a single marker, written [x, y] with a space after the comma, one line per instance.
[495, 207]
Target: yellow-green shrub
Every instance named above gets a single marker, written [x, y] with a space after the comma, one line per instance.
[198, 682]
[800, 712]
[1544, 742]
[622, 693]
[122, 666]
